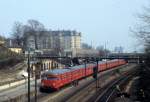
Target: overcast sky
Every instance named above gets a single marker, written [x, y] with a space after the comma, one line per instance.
[100, 21]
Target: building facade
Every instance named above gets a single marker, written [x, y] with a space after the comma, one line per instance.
[66, 39]
[62, 41]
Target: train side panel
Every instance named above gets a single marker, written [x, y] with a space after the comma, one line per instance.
[68, 77]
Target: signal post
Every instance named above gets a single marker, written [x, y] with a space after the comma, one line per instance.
[95, 72]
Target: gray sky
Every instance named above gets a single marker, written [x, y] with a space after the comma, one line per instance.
[100, 21]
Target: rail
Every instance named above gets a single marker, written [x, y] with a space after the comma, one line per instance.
[111, 89]
[90, 93]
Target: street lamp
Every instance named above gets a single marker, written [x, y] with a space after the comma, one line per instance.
[37, 71]
[85, 65]
[105, 55]
[29, 75]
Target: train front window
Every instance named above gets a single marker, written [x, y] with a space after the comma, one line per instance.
[52, 78]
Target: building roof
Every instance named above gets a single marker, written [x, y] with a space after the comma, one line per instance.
[65, 33]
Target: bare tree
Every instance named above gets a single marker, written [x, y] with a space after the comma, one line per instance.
[142, 31]
[33, 27]
[17, 33]
[86, 46]
[102, 51]
[2, 38]
[57, 45]
[21, 32]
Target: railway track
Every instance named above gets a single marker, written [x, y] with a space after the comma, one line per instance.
[83, 94]
[63, 98]
[101, 94]
[76, 94]
[106, 95]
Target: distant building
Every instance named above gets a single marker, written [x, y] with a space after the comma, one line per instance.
[62, 41]
[2, 41]
[66, 39]
[11, 43]
[16, 50]
[85, 53]
[42, 39]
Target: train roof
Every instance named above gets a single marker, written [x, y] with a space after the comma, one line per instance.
[80, 66]
[109, 61]
[57, 71]
[68, 69]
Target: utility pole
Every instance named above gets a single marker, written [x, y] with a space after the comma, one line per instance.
[37, 70]
[119, 54]
[95, 72]
[105, 55]
[29, 75]
[85, 66]
[138, 59]
[97, 80]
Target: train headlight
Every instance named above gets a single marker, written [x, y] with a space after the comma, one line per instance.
[54, 84]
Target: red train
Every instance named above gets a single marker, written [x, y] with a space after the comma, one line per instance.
[57, 78]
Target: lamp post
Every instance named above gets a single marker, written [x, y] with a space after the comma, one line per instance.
[37, 70]
[85, 65]
[35, 86]
[105, 55]
[29, 75]
[95, 72]
[97, 61]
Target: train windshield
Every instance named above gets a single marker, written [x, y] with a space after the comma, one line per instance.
[52, 78]
[49, 77]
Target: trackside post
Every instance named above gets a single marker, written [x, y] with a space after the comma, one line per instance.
[95, 72]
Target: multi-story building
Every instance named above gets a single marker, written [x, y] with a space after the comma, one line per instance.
[66, 39]
[40, 40]
[62, 41]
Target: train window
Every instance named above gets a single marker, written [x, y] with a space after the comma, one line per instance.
[52, 78]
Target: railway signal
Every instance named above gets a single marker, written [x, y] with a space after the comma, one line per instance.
[28, 75]
[95, 71]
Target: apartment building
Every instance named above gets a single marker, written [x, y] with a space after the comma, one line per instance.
[65, 41]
